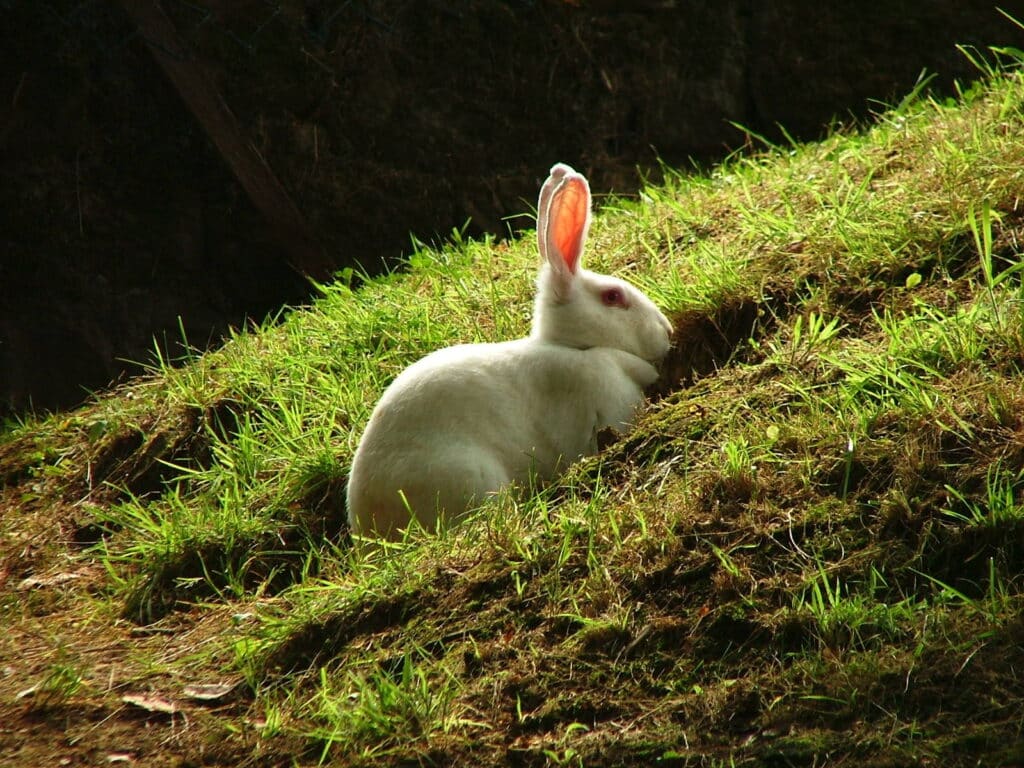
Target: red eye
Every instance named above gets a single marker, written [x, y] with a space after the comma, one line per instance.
[613, 297]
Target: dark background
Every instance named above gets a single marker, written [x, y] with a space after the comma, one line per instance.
[197, 160]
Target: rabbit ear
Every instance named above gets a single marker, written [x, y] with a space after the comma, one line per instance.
[558, 172]
[564, 226]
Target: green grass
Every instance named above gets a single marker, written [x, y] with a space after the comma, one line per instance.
[809, 550]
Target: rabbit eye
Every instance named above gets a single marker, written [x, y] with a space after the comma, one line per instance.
[613, 297]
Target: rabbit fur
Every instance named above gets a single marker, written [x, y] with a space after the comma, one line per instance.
[465, 421]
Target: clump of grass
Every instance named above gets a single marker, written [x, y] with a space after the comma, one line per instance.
[856, 616]
[381, 711]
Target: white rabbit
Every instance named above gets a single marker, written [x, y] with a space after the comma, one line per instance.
[465, 421]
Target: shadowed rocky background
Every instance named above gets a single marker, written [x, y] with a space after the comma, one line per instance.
[200, 159]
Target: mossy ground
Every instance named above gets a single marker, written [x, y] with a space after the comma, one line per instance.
[808, 553]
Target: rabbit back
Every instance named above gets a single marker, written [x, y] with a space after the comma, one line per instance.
[465, 421]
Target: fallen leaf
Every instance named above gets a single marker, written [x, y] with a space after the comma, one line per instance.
[27, 692]
[151, 703]
[32, 582]
[209, 691]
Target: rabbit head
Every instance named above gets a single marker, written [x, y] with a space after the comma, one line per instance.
[578, 308]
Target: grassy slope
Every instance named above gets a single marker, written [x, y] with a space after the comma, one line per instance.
[809, 552]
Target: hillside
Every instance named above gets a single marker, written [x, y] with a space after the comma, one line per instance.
[809, 552]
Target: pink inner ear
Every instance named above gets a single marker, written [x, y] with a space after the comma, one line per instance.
[568, 218]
